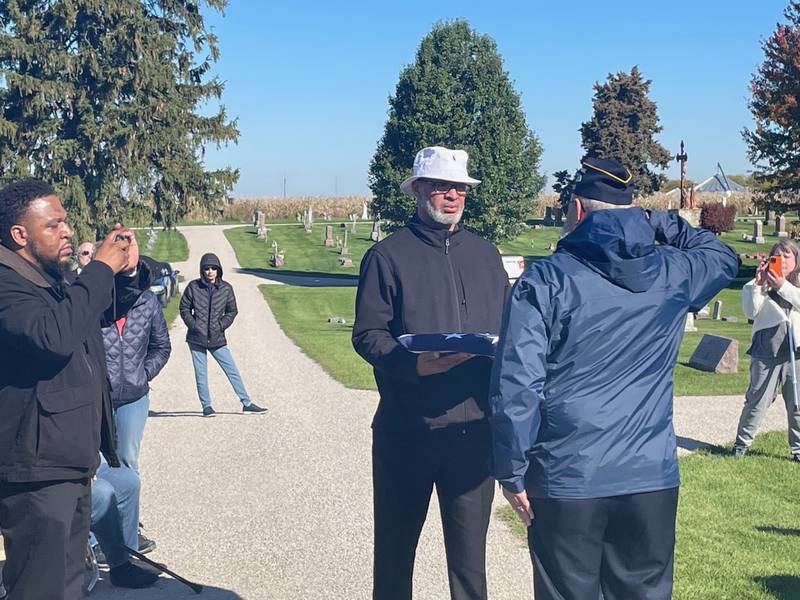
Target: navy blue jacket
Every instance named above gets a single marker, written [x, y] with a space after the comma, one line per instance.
[581, 390]
[136, 357]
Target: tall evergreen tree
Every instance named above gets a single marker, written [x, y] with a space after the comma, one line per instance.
[456, 94]
[624, 125]
[101, 98]
[774, 144]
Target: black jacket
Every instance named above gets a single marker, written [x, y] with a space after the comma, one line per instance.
[207, 316]
[55, 405]
[136, 357]
[427, 280]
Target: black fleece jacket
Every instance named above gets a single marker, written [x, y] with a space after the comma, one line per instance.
[427, 280]
[55, 404]
[208, 309]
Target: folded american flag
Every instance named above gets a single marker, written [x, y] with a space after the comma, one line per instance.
[483, 344]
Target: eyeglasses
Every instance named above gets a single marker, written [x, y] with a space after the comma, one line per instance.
[207, 268]
[442, 187]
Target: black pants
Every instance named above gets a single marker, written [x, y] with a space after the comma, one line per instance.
[45, 529]
[622, 545]
[404, 471]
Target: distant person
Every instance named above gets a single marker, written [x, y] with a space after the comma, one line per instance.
[55, 404]
[115, 519]
[84, 255]
[208, 307]
[581, 394]
[430, 429]
[772, 300]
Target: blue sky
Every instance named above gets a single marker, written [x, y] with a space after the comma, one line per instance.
[309, 82]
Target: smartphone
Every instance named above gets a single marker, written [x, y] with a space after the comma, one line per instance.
[776, 265]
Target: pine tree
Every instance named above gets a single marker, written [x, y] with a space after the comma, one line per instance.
[774, 144]
[101, 98]
[624, 125]
[456, 94]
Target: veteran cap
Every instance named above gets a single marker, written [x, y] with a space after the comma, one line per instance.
[606, 180]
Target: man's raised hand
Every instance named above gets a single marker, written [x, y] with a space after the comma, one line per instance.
[115, 250]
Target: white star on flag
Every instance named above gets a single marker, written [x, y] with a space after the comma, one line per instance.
[451, 336]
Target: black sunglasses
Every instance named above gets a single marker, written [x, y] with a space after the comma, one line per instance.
[209, 268]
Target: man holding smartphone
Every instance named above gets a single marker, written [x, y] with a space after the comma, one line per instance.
[55, 405]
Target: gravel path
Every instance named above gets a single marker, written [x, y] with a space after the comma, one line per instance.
[279, 506]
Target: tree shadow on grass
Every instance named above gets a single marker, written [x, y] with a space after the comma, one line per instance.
[782, 587]
[778, 530]
[305, 278]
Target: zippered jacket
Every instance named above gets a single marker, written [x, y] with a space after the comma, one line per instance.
[55, 405]
[137, 355]
[208, 315]
[581, 395]
[426, 280]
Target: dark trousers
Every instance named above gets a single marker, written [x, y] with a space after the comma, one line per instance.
[622, 545]
[45, 529]
[404, 471]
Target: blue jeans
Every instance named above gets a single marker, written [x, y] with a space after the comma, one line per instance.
[225, 359]
[115, 512]
[130, 420]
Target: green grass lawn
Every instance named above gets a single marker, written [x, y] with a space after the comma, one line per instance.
[305, 252]
[170, 245]
[303, 315]
[738, 529]
[171, 309]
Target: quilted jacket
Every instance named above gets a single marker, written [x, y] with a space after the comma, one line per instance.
[136, 357]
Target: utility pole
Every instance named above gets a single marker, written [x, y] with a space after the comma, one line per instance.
[682, 158]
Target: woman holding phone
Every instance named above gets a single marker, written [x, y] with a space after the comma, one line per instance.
[772, 300]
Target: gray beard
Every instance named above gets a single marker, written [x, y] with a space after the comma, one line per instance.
[440, 217]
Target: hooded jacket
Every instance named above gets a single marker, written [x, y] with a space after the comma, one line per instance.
[208, 309]
[581, 395]
[427, 280]
[55, 406]
[136, 356]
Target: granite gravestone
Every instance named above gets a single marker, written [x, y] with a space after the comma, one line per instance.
[716, 354]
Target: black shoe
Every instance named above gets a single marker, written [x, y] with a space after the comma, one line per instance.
[208, 411]
[254, 408]
[128, 575]
[145, 544]
[796, 457]
[739, 451]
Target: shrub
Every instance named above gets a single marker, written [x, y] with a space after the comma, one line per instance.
[717, 218]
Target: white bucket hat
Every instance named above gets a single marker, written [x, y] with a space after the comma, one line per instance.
[436, 162]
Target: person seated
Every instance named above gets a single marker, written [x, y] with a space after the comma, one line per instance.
[115, 522]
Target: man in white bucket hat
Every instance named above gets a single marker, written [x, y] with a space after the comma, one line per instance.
[430, 428]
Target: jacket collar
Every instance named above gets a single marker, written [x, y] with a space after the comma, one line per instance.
[23, 268]
[434, 236]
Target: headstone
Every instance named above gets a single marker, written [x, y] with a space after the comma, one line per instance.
[375, 236]
[758, 232]
[716, 354]
[769, 217]
[548, 215]
[730, 319]
[690, 215]
[364, 211]
[262, 219]
[345, 262]
[551, 246]
[261, 233]
[780, 227]
[255, 218]
[689, 323]
[559, 217]
[344, 251]
[704, 312]
[354, 219]
[328, 236]
[337, 320]
[717, 312]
